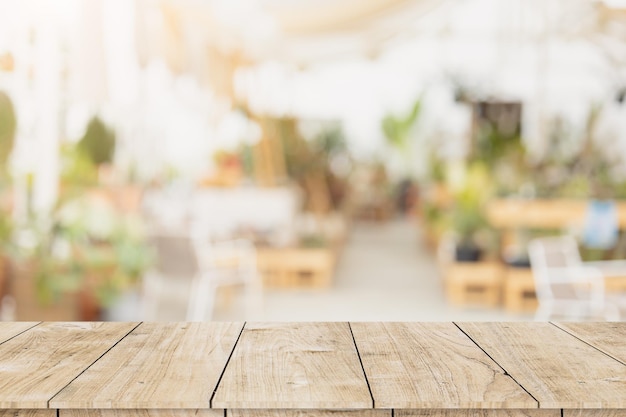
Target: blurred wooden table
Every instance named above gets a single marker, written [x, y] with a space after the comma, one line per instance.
[55, 369]
[511, 213]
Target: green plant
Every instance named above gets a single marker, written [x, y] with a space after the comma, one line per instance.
[467, 214]
[8, 127]
[98, 142]
[308, 161]
[85, 245]
[497, 129]
[313, 240]
[397, 129]
[77, 169]
[436, 168]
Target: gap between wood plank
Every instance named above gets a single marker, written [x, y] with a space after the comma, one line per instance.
[494, 361]
[587, 343]
[90, 365]
[358, 354]
[22, 332]
[226, 366]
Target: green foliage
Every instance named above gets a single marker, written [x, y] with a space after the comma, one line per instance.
[8, 127]
[436, 168]
[330, 141]
[302, 157]
[86, 245]
[498, 129]
[397, 129]
[6, 232]
[584, 171]
[467, 215]
[98, 142]
[313, 241]
[432, 213]
[77, 169]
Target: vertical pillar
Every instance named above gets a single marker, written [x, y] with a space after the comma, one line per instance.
[47, 93]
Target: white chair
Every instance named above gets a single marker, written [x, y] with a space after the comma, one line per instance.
[565, 286]
[196, 268]
[225, 263]
[166, 286]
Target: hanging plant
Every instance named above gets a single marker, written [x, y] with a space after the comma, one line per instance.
[397, 130]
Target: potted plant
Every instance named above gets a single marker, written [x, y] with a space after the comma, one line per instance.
[467, 216]
[88, 250]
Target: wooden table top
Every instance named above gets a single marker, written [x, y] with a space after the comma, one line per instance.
[411, 368]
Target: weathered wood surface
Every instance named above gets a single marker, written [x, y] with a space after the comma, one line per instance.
[594, 413]
[609, 338]
[294, 365]
[312, 369]
[478, 413]
[308, 413]
[28, 413]
[38, 363]
[142, 413]
[556, 368]
[158, 365]
[432, 365]
[9, 330]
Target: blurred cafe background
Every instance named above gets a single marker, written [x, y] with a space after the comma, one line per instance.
[312, 160]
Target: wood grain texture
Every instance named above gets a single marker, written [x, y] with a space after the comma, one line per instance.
[12, 329]
[142, 413]
[432, 365]
[478, 413]
[594, 413]
[308, 413]
[28, 413]
[609, 338]
[557, 369]
[158, 365]
[38, 363]
[294, 365]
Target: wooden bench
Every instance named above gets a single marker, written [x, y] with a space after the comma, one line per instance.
[478, 283]
[312, 369]
[519, 290]
[296, 267]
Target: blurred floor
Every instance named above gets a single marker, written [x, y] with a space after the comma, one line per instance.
[384, 274]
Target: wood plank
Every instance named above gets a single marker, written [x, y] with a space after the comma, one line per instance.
[432, 365]
[159, 365]
[40, 362]
[28, 413]
[308, 413]
[557, 369]
[294, 365]
[594, 413]
[9, 329]
[511, 213]
[142, 413]
[478, 413]
[609, 338]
